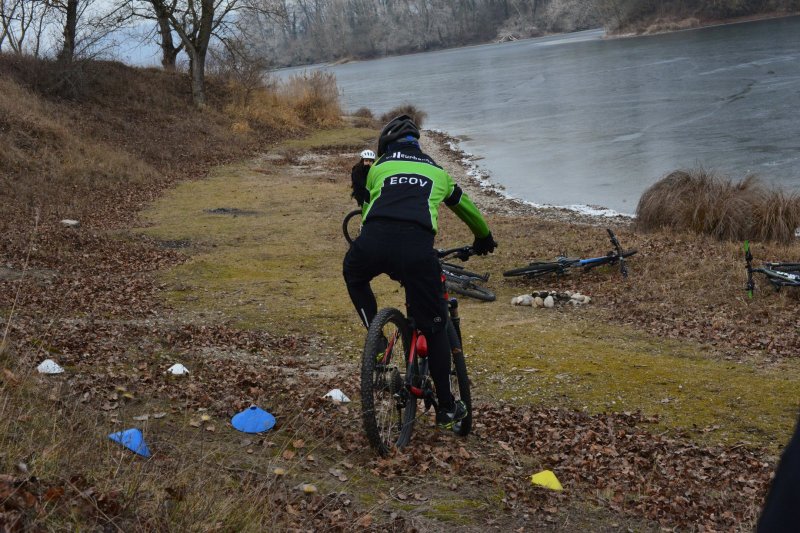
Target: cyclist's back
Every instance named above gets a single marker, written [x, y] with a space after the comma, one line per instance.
[400, 221]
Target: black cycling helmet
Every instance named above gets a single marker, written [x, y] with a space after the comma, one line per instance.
[397, 128]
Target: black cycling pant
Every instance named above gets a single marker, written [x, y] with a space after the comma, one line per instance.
[781, 511]
[405, 252]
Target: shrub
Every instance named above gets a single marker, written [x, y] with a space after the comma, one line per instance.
[417, 115]
[363, 112]
[700, 202]
[315, 98]
[363, 118]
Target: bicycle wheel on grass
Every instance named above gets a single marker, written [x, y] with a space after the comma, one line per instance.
[388, 410]
[467, 288]
[534, 270]
[459, 381]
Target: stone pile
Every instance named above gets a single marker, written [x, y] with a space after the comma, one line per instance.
[548, 299]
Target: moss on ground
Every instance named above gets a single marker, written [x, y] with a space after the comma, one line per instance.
[279, 268]
[331, 138]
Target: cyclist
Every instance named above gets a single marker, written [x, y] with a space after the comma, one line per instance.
[358, 176]
[781, 513]
[399, 223]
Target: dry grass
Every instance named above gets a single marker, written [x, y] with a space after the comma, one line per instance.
[363, 118]
[703, 203]
[314, 96]
[54, 445]
[416, 114]
[87, 142]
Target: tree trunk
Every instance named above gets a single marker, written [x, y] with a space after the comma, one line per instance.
[70, 28]
[169, 52]
[198, 53]
[197, 71]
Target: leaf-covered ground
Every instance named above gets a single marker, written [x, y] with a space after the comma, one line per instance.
[651, 414]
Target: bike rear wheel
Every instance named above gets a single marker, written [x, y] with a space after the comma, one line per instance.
[459, 382]
[351, 225]
[388, 410]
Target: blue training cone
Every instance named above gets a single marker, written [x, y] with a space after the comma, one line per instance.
[133, 440]
[253, 420]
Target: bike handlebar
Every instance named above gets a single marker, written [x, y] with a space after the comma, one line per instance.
[618, 247]
[462, 252]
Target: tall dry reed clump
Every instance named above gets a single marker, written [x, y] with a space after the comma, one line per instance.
[701, 202]
[314, 97]
[305, 100]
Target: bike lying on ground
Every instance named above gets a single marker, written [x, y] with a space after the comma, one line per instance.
[395, 374]
[562, 265]
[778, 274]
[458, 279]
[461, 281]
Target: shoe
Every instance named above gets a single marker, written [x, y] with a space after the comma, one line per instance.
[447, 419]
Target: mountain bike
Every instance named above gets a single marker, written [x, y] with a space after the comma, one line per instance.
[458, 279]
[778, 274]
[562, 265]
[395, 374]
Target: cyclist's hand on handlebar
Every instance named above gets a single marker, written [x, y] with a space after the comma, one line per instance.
[484, 245]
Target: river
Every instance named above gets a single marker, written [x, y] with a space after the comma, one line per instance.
[579, 120]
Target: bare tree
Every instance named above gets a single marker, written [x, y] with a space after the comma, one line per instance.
[195, 21]
[169, 51]
[86, 24]
[22, 24]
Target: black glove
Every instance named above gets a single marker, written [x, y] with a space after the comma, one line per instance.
[484, 245]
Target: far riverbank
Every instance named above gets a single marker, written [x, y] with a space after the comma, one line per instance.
[676, 24]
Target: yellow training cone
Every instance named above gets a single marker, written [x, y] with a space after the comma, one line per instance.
[546, 479]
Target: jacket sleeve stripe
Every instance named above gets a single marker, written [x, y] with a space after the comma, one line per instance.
[455, 197]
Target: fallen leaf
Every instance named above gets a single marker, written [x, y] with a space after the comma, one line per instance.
[53, 493]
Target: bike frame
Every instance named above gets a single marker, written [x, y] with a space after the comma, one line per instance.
[425, 393]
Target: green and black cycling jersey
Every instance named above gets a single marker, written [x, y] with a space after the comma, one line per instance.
[405, 184]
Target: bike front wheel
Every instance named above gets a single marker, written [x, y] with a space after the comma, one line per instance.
[388, 410]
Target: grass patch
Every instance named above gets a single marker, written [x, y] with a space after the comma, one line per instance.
[455, 511]
[348, 137]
